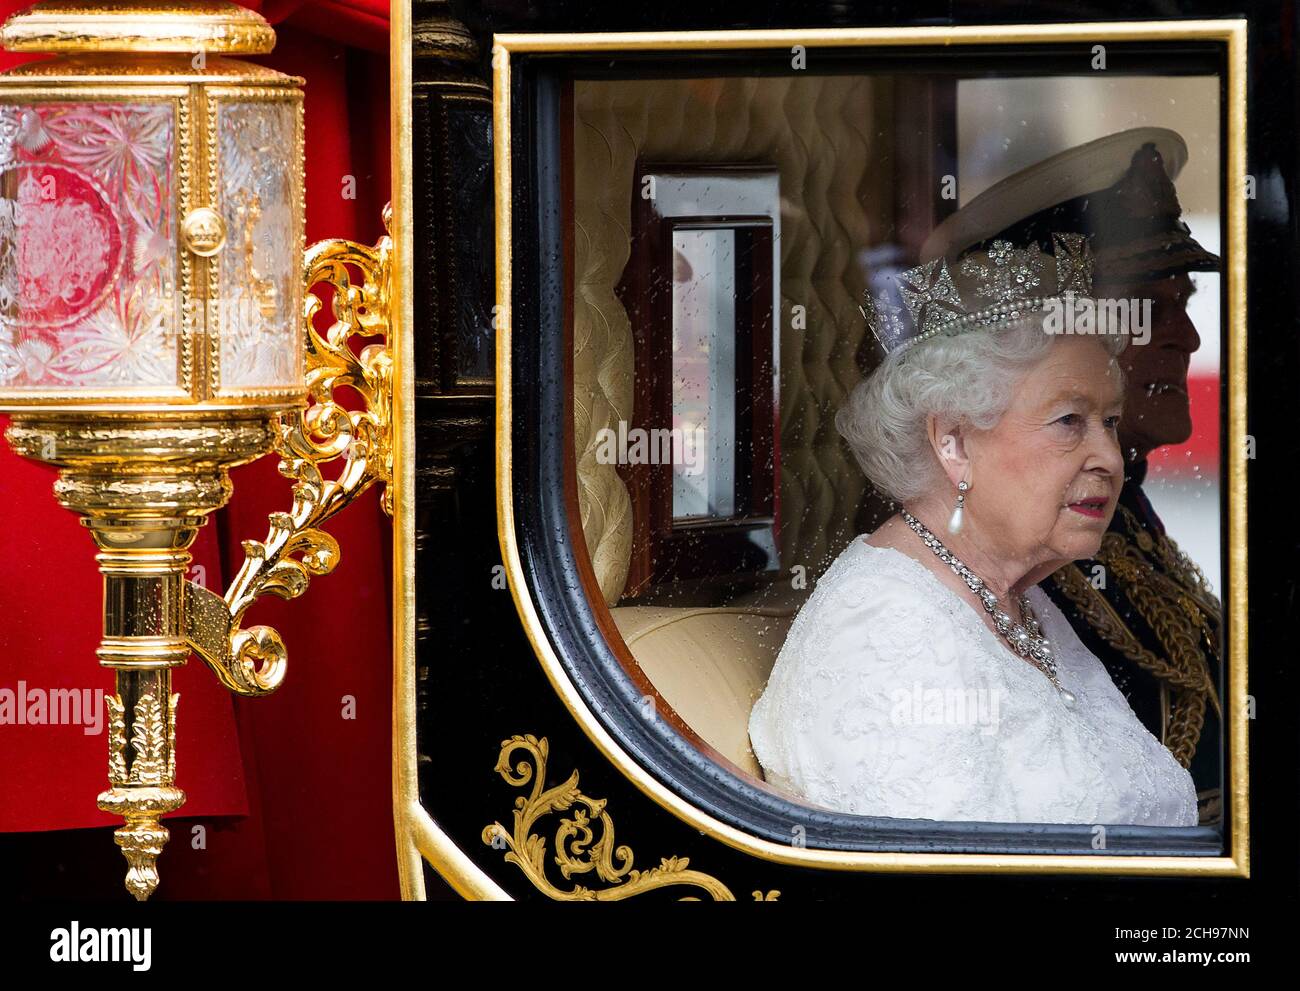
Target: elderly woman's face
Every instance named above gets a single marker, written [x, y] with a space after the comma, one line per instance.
[1045, 480]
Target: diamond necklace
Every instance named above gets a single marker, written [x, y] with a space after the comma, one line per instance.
[1028, 641]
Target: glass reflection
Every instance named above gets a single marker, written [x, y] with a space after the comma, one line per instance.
[704, 372]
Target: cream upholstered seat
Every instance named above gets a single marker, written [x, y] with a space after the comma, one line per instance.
[710, 665]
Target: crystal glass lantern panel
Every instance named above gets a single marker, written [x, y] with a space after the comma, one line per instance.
[88, 261]
[259, 299]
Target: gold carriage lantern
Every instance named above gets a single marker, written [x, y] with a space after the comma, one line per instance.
[156, 330]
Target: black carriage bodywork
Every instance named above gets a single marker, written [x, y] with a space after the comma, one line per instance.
[479, 681]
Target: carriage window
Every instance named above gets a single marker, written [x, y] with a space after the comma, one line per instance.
[701, 298]
[746, 251]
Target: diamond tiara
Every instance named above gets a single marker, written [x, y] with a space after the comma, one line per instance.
[992, 287]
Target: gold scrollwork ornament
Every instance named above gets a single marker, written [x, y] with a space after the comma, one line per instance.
[579, 849]
[252, 662]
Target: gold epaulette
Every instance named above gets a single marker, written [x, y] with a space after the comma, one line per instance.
[1171, 595]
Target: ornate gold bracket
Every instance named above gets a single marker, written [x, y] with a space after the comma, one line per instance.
[252, 662]
[144, 484]
[578, 850]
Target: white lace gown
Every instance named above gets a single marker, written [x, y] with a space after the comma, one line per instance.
[892, 697]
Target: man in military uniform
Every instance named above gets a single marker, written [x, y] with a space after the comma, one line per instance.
[1142, 606]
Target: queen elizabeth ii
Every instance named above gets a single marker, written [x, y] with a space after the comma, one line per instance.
[927, 676]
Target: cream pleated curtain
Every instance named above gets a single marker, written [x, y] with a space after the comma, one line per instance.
[822, 135]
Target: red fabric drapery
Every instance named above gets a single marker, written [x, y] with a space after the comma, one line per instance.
[294, 798]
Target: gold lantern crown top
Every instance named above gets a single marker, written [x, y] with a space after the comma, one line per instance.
[81, 27]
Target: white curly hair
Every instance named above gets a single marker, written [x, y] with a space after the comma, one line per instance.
[970, 377]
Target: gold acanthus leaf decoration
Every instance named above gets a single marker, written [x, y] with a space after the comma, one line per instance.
[153, 740]
[579, 849]
[116, 740]
[149, 741]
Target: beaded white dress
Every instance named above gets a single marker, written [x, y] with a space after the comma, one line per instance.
[892, 697]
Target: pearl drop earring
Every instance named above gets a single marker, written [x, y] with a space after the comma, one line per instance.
[955, 521]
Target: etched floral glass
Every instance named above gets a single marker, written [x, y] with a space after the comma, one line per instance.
[88, 296]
